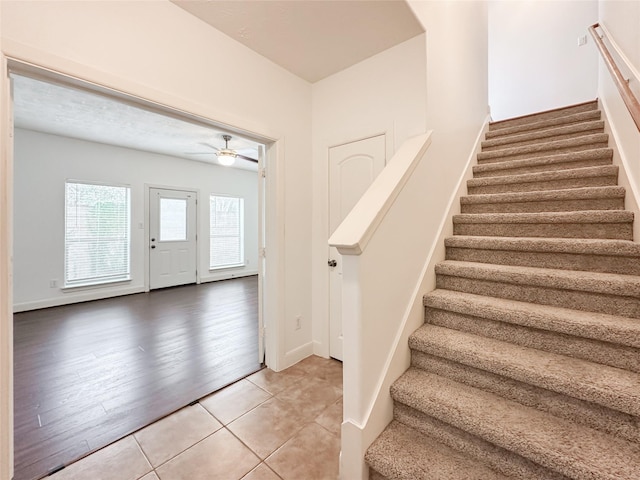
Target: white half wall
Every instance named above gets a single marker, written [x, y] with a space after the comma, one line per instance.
[535, 62]
[385, 94]
[43, 162]
[157, 51]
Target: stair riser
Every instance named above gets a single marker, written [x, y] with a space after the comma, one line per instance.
[545, 206]
[554, 342]
[539, 117]
[587, 413]
[544, 185]
[547, 167]
[501, 460]
[614, 231]
[590, 116]
[540, 153]
[490, 146]
[562, 261]
[577, 300]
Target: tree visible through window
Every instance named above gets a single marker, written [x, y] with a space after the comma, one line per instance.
[226, 235]
[97, 233]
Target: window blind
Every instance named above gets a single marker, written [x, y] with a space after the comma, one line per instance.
[97, 233]
[226, 242]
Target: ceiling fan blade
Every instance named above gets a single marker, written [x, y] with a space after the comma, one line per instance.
[209, 145]
[199, 153]
[247, 158]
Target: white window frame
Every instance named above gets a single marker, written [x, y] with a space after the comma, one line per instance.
[240, 234]
[106, 279]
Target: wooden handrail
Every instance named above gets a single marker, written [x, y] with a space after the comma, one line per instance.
[628, 97]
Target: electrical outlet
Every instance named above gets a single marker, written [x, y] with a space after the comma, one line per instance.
[53, 283]
[298, 322]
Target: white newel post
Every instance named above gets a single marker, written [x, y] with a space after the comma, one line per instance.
[352, 464]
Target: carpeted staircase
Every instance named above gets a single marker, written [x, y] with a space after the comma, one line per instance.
[528, 364]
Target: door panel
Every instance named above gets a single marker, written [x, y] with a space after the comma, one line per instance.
[352, 169]
[172, 234]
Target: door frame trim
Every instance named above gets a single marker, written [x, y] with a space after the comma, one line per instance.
[22, 59]
[147, 228]
[38, 64]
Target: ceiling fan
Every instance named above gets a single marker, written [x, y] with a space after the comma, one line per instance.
[226, 156]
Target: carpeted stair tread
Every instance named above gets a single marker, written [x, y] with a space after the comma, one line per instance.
[544, 135]
[575, 450]
[564, 195]
[563, 161]
[499, 459]
[585, 142]
[600, 171]
[593, 282]
[544, 116]
[550, 217]
[588, 254]
[594, 216]
[589, 246]
[607, 224]
[545, 124]
[603, 419]
[597, 326]
[402, 453]
[601, 384]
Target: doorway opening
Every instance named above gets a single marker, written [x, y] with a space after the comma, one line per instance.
[176, 223]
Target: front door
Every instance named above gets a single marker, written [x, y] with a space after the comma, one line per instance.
[172, 238]
[352, 168]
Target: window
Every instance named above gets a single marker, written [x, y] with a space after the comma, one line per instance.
[226, 233]
[173, 219]
[97, 234]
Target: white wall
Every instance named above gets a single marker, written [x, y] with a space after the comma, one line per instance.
[43, 162]
[535, 62]
[383, 94]
[159, 52]
[456, 69]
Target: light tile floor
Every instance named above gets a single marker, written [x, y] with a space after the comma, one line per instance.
[269, 426]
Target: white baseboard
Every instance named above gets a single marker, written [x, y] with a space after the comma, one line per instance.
[300, 353]
[227, 276]
[320, 349]
[76, 298]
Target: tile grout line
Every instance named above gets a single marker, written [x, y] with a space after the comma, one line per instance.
[144, 454]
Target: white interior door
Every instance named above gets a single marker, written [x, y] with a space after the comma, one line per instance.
[172, 238]
[352, 168]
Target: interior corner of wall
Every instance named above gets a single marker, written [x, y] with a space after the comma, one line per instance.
[297, 354]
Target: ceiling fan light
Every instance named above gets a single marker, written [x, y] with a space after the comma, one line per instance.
[226, 158]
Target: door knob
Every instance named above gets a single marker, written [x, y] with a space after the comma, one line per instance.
[153, 246]
[332, 263]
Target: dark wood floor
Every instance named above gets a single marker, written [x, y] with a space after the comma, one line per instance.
[91, 373]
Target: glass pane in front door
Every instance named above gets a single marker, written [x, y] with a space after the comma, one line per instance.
[173, 219]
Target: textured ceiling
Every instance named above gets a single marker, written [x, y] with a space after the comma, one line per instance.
[61, 110]
[312, 39]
